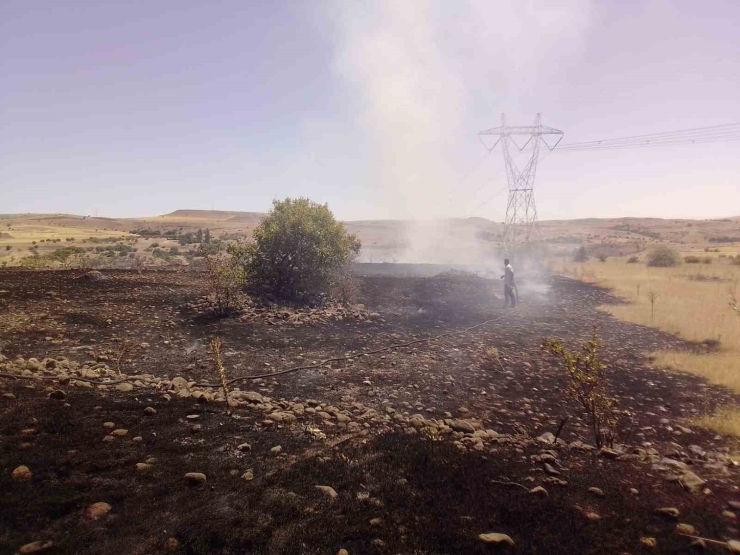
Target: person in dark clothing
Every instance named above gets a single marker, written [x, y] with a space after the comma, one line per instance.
[508, 278]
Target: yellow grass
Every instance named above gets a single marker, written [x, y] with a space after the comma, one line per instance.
[23, 235]
[690, 301]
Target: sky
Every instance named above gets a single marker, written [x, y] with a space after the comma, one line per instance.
[139, 108]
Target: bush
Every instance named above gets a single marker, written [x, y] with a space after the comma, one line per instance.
[298, 248]
[633, 260]
[344, 288]
[587, 385]
[706, 260]
[663, 257]
[580, 254]
[691, 259]
[225, 281]
[602, 258]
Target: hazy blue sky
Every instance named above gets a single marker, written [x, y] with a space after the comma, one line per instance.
[139, 108]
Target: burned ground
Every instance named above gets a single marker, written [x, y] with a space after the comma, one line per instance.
[389, 433]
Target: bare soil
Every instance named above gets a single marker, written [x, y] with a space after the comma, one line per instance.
[400, 489]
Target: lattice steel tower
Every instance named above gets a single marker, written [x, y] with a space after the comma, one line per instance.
[521, 213]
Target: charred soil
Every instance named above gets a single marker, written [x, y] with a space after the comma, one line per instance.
[424, 447]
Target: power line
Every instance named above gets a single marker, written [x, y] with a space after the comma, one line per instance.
[699, 135]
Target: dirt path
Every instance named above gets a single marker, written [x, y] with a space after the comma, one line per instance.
[423, 438]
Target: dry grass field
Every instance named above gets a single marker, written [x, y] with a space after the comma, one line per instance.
[692, 301]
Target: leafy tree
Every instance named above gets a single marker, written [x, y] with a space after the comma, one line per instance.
[298, 248]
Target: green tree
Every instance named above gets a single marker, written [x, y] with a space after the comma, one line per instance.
[298, 248]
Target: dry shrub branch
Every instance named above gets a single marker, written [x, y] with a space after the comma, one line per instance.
[587, 385]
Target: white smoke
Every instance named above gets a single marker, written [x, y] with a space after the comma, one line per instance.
[429, 74]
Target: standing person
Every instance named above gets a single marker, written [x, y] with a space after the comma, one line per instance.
[508, 278]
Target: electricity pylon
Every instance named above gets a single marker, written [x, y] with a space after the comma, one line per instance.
[520, 225]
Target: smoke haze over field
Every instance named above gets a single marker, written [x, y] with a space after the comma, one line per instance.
[418, 69]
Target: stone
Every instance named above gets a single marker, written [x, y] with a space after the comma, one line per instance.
[464, 426]
[195, 478]
[142, 467]
[547, 437]
[21, 474]
[496, 538]
[108, 439]
[549, 469]
[375, 522]
[59, 395]
[648, 541]
[119, 432]
[248, 476]
[685, 529]
[276, 450]
[149, 411]
[180, 384]
[172, 545]
[108, 425]
[733, 546]
[97, 510]
[195, 428]
[252, 397]
[670, 512]
[328, 491]
[733, 505]
[125, 387]
[342, 552]
[729, 514]
[539, 491]
[244, 447]
[609, 453]
[36, 547]
[592, 516]
[598, 492]
[691, 481]
[138, 439]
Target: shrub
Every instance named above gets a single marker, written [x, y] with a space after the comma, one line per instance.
[663, 257]
[8, 247]
[298, 248]
[225, 281]
[691, 259]
[580, 254]
[706, 260]
[587, 385]
[633, 260]
[344, 288]
[602, 258]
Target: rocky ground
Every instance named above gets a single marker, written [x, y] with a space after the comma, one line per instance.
[116, 433]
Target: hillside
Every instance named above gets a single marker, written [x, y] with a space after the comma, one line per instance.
[460, 240]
